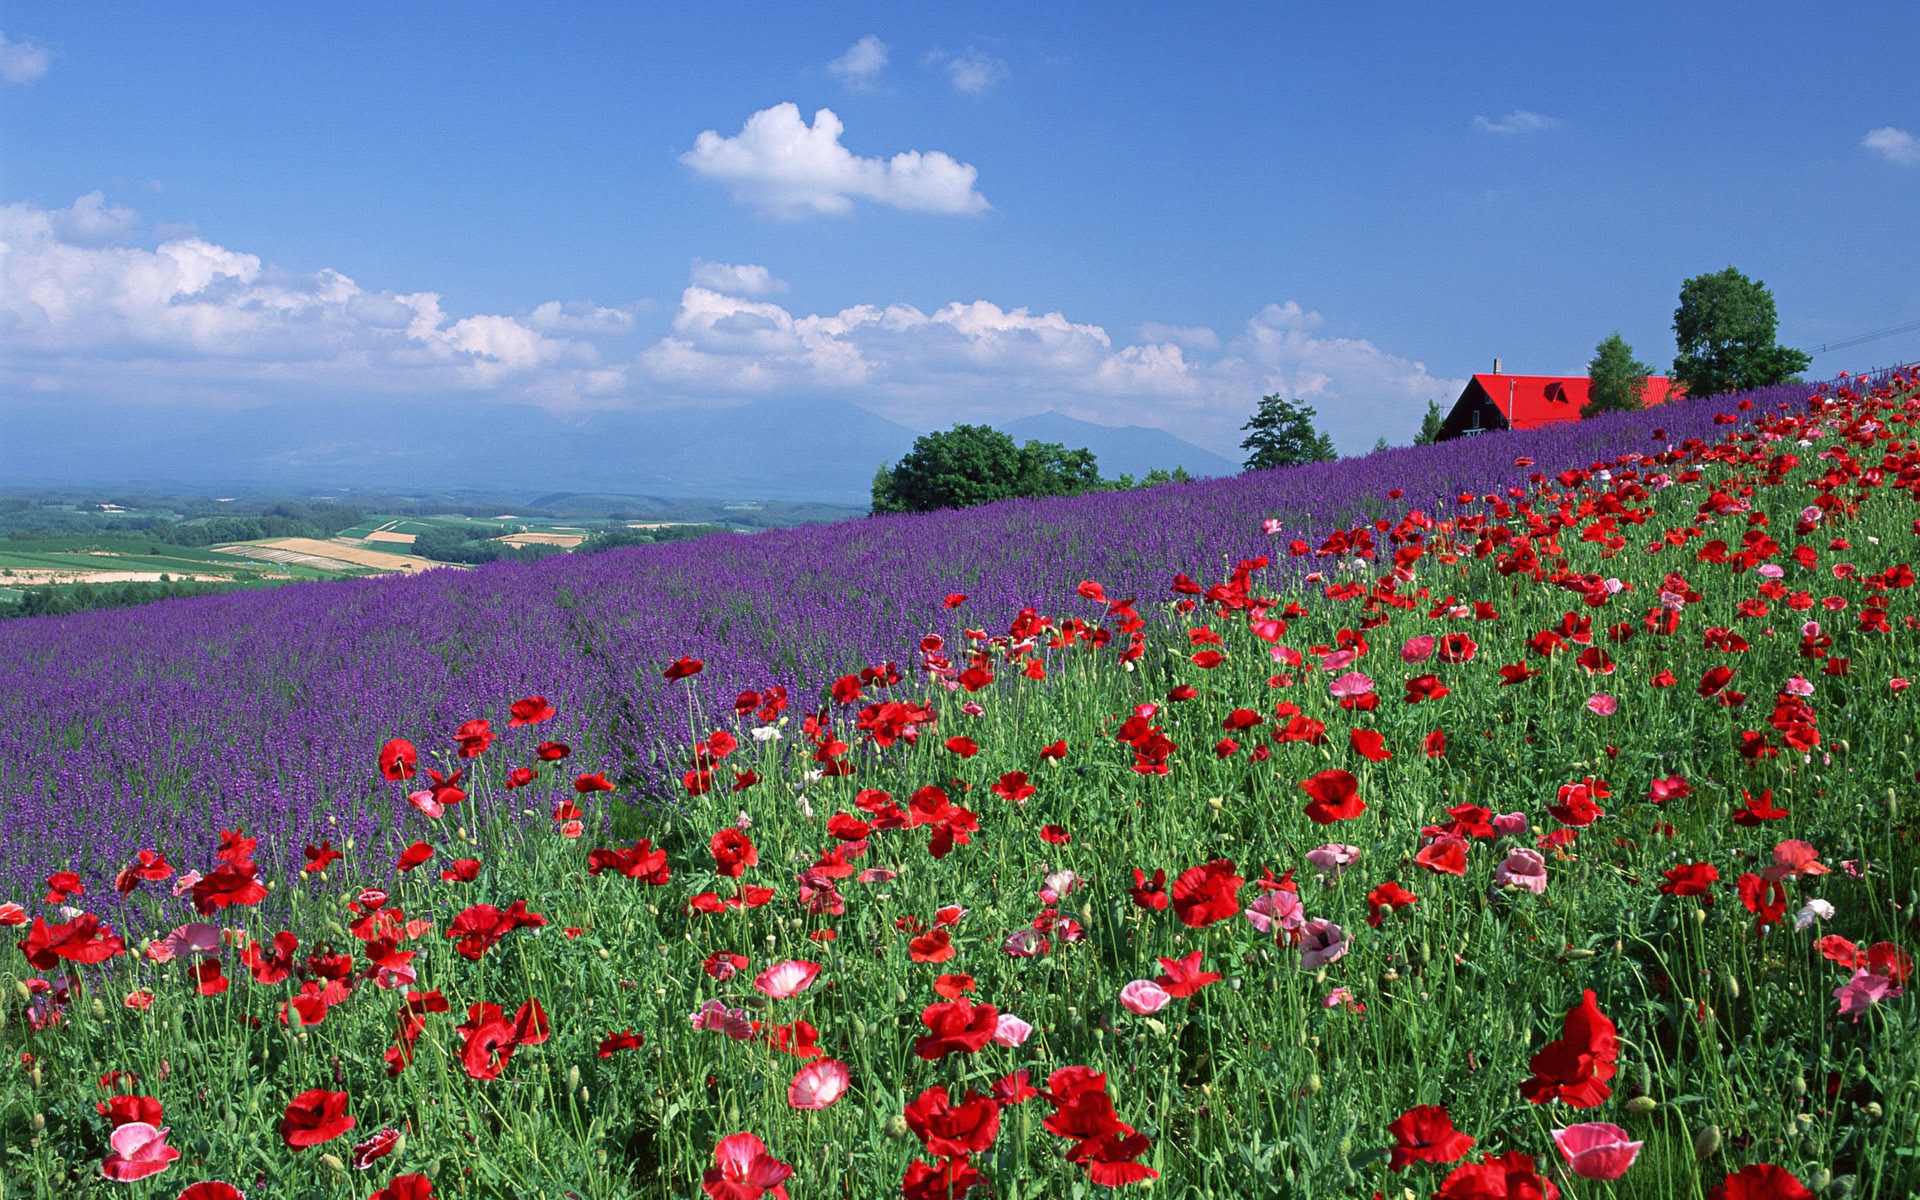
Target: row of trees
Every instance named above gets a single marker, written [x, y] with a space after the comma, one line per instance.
[978, 464]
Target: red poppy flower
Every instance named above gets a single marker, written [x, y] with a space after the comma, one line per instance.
[957, 1026]
[62, 884]
[397, 759]
[149, 866]
[207, 979]
[954, 1130]
[83, 940]
[1149, 893]
[733, 852]
[552, 751]
[405, 1187]
[1575, 1068]
[950, 986]
[1456, 648]
[461, 870]
[1435, 744]
[1056, 751]
[933, 947]
[594, 782]
[948, 1179]
[1368, 744]
[414, 855]
[965, 747]
[1444, 856]
[1055, 834]
[743, 1170]
[530, 711]
[620, 1041]
[1208, 893]
[1498, 1177]
[1110, 1158]
[121, 1110]
[1013, 786]
[1760, 1181]
[1389, 896]
[473, 737]
[1425, 1133]
[478, 928]
[642, 862]
[375, 1148]
[1183, 976]
[1691, 879]
[1758, 808]
[213, 1189]
[1335, 797]
[682, 668]
[1422, 688]
[320, 857]
[314, 1117]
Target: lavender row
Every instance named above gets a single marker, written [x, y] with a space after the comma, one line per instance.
[160, 726]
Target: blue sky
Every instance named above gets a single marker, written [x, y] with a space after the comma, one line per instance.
[1127, 215]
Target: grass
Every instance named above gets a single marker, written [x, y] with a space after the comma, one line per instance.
[1276, 1079]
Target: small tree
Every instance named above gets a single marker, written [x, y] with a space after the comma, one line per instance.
[1430, 425]
[1282, 434]
[1617, 381]
[1725, 329]
[1050, 469]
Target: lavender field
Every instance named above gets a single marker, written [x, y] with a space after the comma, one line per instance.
[169, 723]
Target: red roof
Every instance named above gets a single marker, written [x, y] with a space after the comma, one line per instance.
[1532, 400]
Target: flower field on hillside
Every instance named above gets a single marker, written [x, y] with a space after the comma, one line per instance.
[1531, 821]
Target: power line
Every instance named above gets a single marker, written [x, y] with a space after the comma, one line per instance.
[1863, 338]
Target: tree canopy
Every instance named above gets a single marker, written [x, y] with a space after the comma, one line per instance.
[1282, 434]
[1725, 329]
[977, 464]
[1617, 381]
[1430, 424]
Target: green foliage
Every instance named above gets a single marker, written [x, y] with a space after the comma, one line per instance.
[50, 600]
[1618, 380]
[1282, 434]
[978, 464]
[1725, 328]
[1430, 424]
[617, 536]
[473, 545]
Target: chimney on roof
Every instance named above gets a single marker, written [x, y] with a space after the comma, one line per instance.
[1496, 366]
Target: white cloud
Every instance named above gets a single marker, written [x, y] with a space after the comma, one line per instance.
[190, 321]
[91, 221]
[972, 72]
[192, 314]
[744, 279]
[23, 61]
[1517, 121]
[859, 68]
[787, 169]
[1897, 146]
[1192, 337]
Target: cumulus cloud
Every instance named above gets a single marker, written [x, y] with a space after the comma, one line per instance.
[1192, 337]
[75, 300]
[744, 279]
[22, 61]
[859, 68]
[786, 168]
[972, 72]
[1897, 146]
[188, 320]
[1517, 121]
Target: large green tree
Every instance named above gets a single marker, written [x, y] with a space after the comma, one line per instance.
[1617, 381]
[1725, 329]
[977, 464]
[1282, 434]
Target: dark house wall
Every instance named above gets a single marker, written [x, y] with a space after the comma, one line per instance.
[1474, 412]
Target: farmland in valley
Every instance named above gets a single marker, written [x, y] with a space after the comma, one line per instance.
[1524, 816]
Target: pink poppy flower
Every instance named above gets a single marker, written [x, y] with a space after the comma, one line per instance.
[1417, 649]
[1862, 992]
[1144, 996]
[1332, 859]
[1339, 660]
[1524, 870]
[1277, 907]
[1596, 1150]
[195, 937]
[1510, 824]
[1011, 1031]
[139, 1150]
[1353, 683]
[818, 1084]
[785, 980]
[1602, 705]
[1321, 942]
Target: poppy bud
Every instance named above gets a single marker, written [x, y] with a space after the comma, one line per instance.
[897, 1127]
[432, 1169]
[39, 1122]
[1798, 1086]
[1640, 1106]
[99, 1011]
[1706, 1143]
[1820, 1180]
[1699, 916]
[1313, 1084]
[230, 1121]
[604, 956]
[585, 1095]
[332, 1163]
[573, 1078]
[1733, 986]
[1872, 1112]
[35, 1076]
[1159, 1030]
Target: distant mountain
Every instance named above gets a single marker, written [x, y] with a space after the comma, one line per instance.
[1121, 450]
[824, 450]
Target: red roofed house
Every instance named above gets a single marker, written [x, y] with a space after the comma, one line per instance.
[1499, 401]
